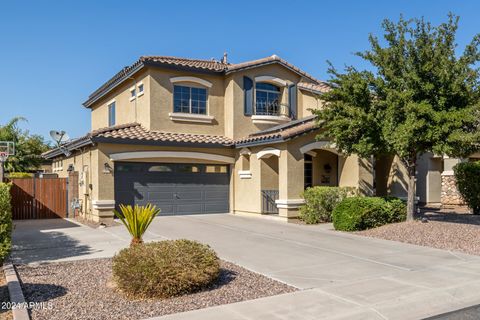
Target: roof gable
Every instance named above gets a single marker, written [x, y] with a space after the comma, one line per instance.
[195, 65]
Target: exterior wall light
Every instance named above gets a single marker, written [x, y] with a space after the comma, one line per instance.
[107, 168]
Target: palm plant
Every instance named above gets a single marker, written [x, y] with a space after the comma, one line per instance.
[136, 219]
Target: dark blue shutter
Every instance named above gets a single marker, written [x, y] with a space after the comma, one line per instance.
[292, 101]
[248, 94]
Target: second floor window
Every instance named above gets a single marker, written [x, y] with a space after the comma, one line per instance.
[267, 101]
[189, 100]
[111, 114]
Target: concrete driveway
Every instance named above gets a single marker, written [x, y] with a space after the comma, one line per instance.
[340, 276]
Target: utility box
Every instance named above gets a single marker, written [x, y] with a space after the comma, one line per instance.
[83, 182]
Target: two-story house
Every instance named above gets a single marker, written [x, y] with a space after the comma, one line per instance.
[205, 136]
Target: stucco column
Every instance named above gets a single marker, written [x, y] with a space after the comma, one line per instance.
[291, 176]
[103, 197]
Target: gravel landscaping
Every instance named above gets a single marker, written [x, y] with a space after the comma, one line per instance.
[83, 290]
[449, 229]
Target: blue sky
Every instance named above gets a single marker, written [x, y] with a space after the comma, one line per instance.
[53, 54]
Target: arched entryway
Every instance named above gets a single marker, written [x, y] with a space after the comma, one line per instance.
[269, 179]
[322, 164]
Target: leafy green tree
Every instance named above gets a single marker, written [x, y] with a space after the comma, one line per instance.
[28, 147]
[419, 96]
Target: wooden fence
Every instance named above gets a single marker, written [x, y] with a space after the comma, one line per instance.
[37, 198]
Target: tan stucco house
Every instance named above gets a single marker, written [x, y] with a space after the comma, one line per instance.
[205, 136]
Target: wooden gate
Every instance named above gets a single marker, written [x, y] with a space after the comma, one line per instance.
[37, 198]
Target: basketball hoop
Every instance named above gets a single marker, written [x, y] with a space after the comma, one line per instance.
[3, 156]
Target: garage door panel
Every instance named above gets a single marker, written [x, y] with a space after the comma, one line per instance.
[191, 208]
[165, 208]
[160, 196]
[216, 207]
[174, 188]
[191, 195]
[216, 194]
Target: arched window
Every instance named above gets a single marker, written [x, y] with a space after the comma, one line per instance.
[268, 98]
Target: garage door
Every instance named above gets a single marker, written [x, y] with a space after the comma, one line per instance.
[176, 188]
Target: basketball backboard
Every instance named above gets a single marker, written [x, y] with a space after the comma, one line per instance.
[7, 148]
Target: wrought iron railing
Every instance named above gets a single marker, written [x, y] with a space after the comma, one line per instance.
[268, 201]
[271, 108]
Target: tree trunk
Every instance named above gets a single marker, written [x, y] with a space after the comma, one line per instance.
[136, 241]
[411, 207]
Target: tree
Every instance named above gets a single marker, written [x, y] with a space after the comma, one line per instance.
[28, 147]
[419, 97]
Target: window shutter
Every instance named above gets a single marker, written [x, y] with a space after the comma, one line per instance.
[248, 96]
[292, 101]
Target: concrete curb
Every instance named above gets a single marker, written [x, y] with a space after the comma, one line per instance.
[19, 306]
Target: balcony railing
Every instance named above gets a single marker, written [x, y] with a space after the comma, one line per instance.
[268, 201]
[271, 109]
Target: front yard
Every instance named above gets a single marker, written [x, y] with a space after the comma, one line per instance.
[84, 290]
[453, 229]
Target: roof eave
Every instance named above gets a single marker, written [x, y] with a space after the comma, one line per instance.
[101, 94]
[74, 146]
[264, 63]
[317, 92]
[160, 143]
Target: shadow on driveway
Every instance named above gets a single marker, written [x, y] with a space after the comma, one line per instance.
[47, 240]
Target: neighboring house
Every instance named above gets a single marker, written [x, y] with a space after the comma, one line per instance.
[435, 179]
[205, 136]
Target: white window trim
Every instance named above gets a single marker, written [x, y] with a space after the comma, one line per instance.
[171, 154]
[108, 111]
[190, 117]
[137, 94]
[265, 119]
[200, 81]
[274, 80]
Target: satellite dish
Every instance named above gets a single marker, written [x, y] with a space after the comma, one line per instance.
[61, 137]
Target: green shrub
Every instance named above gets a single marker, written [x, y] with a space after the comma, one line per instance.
[320, 202]
[467, 175]
[5, 221]
[360, 213]
[165, 269]
[20, 175]
[396, 209]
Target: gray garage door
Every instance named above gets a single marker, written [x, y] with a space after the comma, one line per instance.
[173, 187]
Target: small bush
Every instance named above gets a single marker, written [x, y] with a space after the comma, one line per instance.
[396, 209]
[165, 269]
[467, 175]
[5, 221]
[320, 202]
[360, 213]
[20, 175]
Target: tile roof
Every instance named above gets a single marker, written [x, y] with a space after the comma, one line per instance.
[280, 133]
[135, 131]
[268, 60]
[321, 87]
[211, 65]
